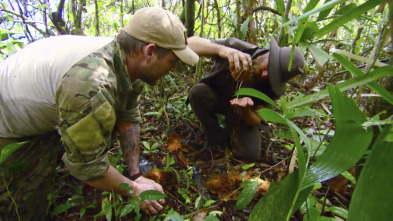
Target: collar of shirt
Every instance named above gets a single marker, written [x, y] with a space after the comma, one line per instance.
[121, 70]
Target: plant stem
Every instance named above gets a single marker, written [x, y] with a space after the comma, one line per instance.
[8, 191]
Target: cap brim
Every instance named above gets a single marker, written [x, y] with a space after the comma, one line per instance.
[187, 55]
[274, 68]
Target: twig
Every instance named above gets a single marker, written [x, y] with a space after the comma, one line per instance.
[8, 191]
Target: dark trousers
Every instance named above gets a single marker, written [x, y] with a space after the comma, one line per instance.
[246, 141]
[27, 179]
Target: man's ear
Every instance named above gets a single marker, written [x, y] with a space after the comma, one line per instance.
[149, 50]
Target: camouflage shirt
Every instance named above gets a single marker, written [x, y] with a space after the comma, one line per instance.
[91, 96]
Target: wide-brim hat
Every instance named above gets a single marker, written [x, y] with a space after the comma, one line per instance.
[278, 72]
[163, 28]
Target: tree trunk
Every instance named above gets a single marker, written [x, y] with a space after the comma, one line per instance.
[218, 18]
[190, 17]
[98, 17]
[77, 11]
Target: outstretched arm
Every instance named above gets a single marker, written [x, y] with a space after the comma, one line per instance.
[239, 62]
[247, 111]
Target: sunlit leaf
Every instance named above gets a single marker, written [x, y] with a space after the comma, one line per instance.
[349, 84]
[10, 149]
[358, 73]
[352, 14]
[372, 198]
[348, 144]
[320, 56]
[323, 7]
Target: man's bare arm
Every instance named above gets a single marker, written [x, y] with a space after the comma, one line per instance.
[129, 137]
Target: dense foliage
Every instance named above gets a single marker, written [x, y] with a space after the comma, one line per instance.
[336, 117]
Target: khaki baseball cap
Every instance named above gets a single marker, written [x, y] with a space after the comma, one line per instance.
[163, 28]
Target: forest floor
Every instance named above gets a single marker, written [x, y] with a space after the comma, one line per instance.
[196, 183]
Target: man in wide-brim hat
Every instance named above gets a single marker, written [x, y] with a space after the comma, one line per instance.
[214, 94]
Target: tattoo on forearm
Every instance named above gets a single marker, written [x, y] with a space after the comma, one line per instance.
[129, 138]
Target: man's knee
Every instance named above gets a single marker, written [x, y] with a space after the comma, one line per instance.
[199, 92]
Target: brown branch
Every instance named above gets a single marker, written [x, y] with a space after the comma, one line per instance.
[32, 24]
[259, 8]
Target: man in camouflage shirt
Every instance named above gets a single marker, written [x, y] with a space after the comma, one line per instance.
[81, 90]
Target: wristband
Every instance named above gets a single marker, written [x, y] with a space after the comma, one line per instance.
[136, 176]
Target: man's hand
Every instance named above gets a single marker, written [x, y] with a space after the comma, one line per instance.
[150, 207]
[242, 102]
[239, 63]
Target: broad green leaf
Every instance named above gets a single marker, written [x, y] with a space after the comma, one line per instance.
[272, 116]
[125, 186]
[347, 146]
[358, 73]
[257, 94]
[151, 195]
[372, 198]
[320, 56]
[276, 204]
[247, 194]
[372, 76]
[323, 7]
[352, 14]
[248, 166]
[10, 149]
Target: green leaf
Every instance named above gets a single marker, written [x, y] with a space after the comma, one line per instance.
[372, 198]
[257, 94]
[248, 166]
[173, 216]
[61, 208]
[247, 194]
[304, 112]
[208, 203]
[126, 209]
[10, 149]
[372, 76]
[352, 14]
[325, 6]
[280, 8]
[272, 116]
[309, 31]
[211, 218]
[106, 208]
[125, 186]
[324, 13]
[152, 195]
[320, 56]
[339, 211]
[358, 73]
[348, 144]
[276, 204]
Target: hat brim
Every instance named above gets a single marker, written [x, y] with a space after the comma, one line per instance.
[274, 69]
[187, 55]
